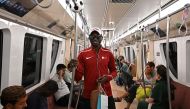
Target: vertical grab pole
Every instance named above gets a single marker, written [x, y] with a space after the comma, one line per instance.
[142, 61]
[167, 61]
[74, 57]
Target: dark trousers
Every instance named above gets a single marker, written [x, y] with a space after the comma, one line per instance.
[85, 103]
[132, 93]
[64, 101]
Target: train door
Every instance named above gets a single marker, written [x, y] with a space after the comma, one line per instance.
[1, 51]
[130, 54]
[188, 61]
[131, 58]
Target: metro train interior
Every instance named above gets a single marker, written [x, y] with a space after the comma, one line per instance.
[37, 35]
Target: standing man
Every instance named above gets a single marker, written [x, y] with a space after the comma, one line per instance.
[97, 64]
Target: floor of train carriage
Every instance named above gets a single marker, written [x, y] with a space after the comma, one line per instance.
[117, 91]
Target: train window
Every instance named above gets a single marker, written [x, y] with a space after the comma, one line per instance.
[133, 56]
[188, 61]
[1, 51]
[32, 60]
[18, 7]
[128, 53]
[55, 46]
[172, 57]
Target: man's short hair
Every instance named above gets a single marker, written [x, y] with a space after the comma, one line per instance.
[94, 32]
[161, 70]
[151, 64]
[71, 63]
[121, 58]
[60, 66]
[12, 94]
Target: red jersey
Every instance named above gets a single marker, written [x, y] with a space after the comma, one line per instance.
[94, 65]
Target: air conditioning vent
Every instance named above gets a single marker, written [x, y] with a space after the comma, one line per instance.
[123, 1]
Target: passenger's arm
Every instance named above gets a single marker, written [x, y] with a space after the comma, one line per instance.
[149, 100]
[79, 69]
[34, 101]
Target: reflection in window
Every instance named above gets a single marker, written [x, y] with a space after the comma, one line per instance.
[1, 51]
[32, 60]
[55, 46]
[172, 57]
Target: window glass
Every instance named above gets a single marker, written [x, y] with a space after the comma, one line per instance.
[125, 53]
[188, 61]
[55, 46]
[128, 53]
[145, 54]
[172, 57]
[1, 51]
[32, 60]
[133, 56]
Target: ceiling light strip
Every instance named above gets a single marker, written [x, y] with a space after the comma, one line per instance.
[105, 12]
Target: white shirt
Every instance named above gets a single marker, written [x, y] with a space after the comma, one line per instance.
[68, 76]
[62, 87]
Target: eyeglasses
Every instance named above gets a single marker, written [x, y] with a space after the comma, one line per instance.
[92, 37]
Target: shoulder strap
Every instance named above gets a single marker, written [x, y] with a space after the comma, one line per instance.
[129, 67]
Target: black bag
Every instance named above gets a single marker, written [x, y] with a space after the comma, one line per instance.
[119, 81]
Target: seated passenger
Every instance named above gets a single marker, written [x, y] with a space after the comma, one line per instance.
[14, 97]
[149, 80]
[68, 73]
[125, 72]
[38, 98]
[62, 95]
[159, 97]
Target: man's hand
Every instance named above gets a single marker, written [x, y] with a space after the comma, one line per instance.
[102, 79]
[73, 63]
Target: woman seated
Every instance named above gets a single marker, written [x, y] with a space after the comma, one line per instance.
[38, 98]
[149, 80]
[159, 97]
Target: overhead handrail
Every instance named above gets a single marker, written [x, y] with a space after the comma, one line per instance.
[47, 6]
[185, 16]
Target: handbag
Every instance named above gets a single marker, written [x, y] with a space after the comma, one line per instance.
[141, 94]
[99, 99]
[102, 99]
[102, 102]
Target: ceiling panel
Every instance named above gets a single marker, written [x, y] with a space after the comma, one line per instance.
[141, 9]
